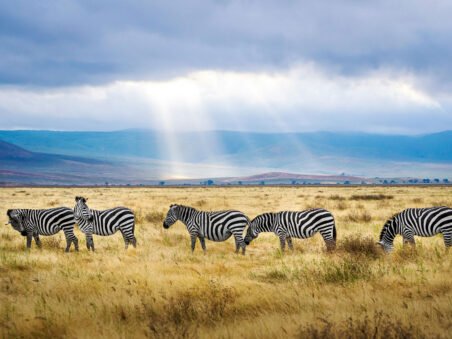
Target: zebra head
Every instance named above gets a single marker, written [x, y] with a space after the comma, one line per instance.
[82, 211]
[171, 216]
[17, 221]
[388, 232]
[252, 232]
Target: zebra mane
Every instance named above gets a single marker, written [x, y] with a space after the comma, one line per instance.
[386, 225]
[8, 213]
[80, 198]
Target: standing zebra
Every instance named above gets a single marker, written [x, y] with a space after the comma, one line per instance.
[216, 226]
[423, 222]
[105, 222]
[288, 224]
[32, 223]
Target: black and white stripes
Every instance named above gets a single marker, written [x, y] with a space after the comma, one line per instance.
[216, 226]
[287, 225]
[33, 223]
[105, 222]
[423, 222]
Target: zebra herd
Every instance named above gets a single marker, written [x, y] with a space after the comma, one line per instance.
[221, 225]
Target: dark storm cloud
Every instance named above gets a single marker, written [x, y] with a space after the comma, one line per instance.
[53, 43]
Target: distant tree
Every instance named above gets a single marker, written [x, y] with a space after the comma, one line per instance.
[346, 182]
[436, 180]
[106, 183]
[210, 182]
[426, 181]
[161, 183]
[385, 182]
[240, 182]
[445, 180]
[393, 181]
[363, 182]
[262, 182]
[294, 182]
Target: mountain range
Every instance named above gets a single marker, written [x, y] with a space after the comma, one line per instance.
[145, 156]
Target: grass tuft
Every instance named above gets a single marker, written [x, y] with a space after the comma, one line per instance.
[371, 197]
[358, 245]
[379, 326]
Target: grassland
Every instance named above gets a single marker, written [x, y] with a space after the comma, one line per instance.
[160, 289]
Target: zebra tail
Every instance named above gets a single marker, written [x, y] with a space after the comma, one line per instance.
[334, 230]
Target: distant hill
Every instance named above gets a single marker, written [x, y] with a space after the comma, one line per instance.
[18, 165]
[138, 156]
[287, 177]
[15, 155]
[191, 146]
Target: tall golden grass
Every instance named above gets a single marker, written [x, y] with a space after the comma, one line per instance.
[161, 289]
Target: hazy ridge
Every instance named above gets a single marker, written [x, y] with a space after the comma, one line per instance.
[135, 156]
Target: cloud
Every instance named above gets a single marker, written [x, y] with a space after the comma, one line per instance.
[83, 42]
[305, 97]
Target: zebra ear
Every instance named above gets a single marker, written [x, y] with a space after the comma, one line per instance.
[77, 198]
[8, 213]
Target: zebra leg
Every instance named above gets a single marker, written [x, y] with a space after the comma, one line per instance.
[37, 240]
[129, 238]
[75, 241]
[89, 242]
[289, 243]
[193, 242]
[239, 242]
[202, 240]
[29, 238]
[447, 239]
[126, 241]
[70, 238]
[329, 240]
[282, 240]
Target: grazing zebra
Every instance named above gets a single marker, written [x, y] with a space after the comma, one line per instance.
[423, 222]
[216, 226]
[105, 222]
[32, 223]
[303, 224]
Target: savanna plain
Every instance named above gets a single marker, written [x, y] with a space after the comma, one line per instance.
[161, 289]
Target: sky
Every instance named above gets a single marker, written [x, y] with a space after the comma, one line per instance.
[269, 66]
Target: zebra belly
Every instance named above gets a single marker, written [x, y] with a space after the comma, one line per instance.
[299, 232]
[429, 234]
[54, 229]
[215, 233]
[103, 231]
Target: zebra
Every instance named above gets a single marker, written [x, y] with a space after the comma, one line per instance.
[105, 222]
[31, 223]
[302, 224]
[423, 222]
[216, 226]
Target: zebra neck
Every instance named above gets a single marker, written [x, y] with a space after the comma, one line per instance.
[186, 214]
[389, 232]
[266, 226]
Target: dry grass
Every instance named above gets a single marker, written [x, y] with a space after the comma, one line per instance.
[371, 197]
[162, 290]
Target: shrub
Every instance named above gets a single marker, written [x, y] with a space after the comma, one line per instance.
[358, 245]
[380, 326]
[346, 271]
[355, 216]
[341, 205]
[336, 197]
[154, 217]
[51, 242]
[371, 197]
